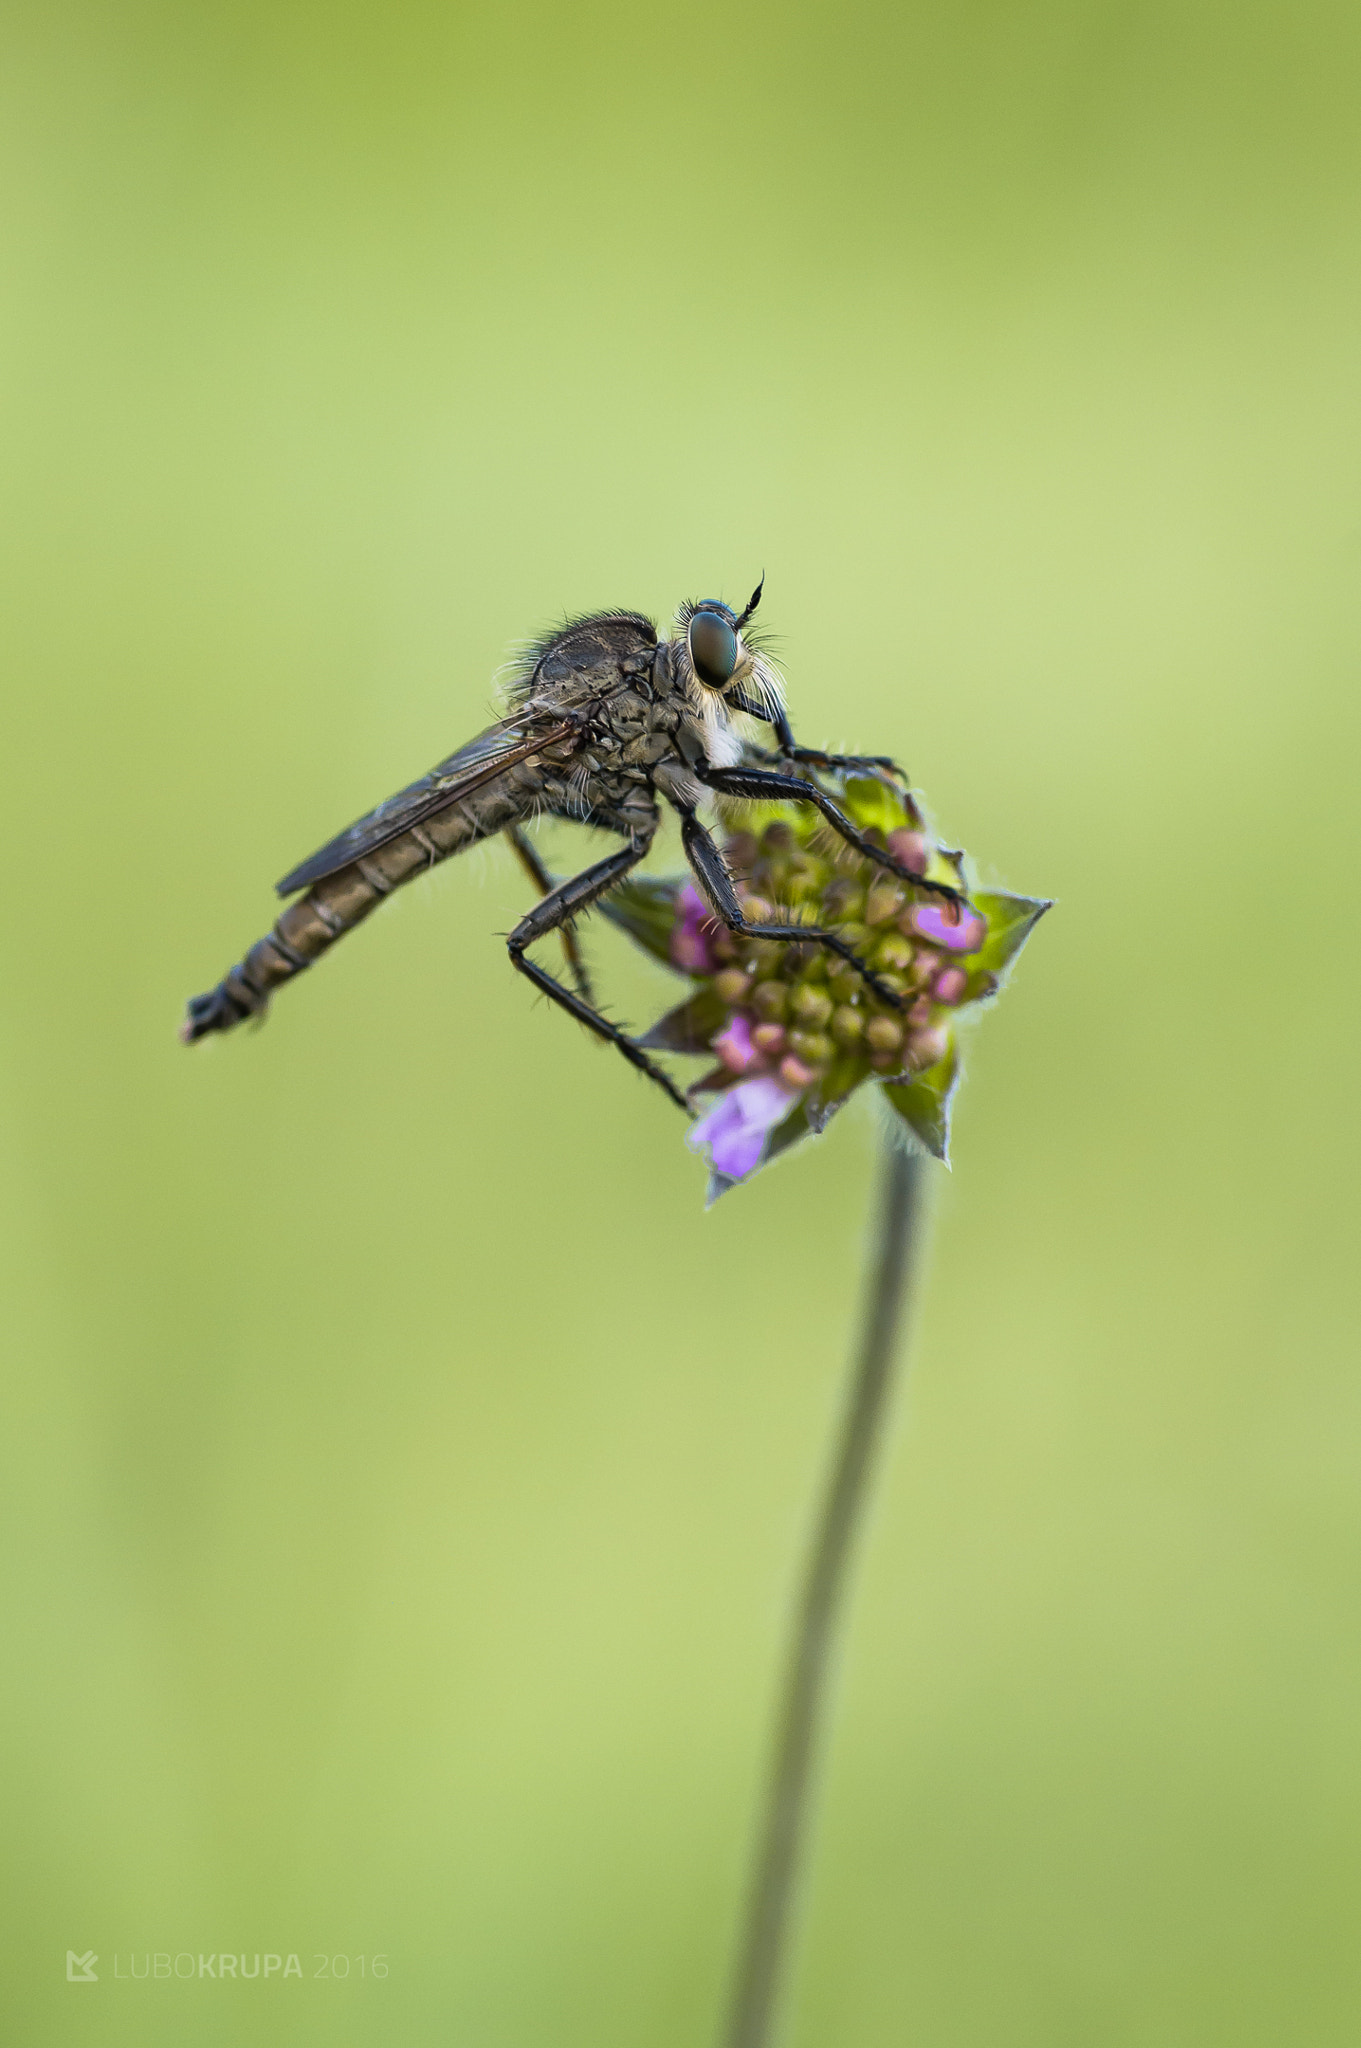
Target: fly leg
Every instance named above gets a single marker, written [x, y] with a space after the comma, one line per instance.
[528, 856]
[790, 750]
[880, 764]
[761, 784]
[707, 862]
[557, 908]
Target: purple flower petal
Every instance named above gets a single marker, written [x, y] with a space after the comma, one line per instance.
[935, 923]
[690, 951]
[736, 1128]
[734, 1046]
[689, 938]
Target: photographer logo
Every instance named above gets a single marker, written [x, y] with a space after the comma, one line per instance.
[164, 1967]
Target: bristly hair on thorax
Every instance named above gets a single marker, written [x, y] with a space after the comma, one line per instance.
[516, 675]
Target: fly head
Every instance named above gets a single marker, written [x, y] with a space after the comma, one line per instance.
[720, 662]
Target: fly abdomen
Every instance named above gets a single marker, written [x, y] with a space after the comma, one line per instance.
[300, 936]
[336, 904]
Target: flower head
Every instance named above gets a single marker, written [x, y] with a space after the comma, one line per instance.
[797, 1030]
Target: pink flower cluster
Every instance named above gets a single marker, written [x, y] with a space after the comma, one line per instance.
[795, 1029]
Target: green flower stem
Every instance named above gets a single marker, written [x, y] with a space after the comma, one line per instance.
[761, 1963]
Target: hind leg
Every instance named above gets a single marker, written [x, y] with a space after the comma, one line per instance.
[528, 856]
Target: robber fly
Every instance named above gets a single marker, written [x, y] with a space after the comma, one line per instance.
[604, 718]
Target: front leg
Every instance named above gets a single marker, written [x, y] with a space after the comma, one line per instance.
[791, 751]
[556, 909]
[761, 784]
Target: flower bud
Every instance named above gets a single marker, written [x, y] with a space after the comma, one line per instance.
[843, 899]
[852, 933]
[795, 1074]
[883, 1034]
[894, 952]
[844, 981]
[949, 985]
[740, 850]
[812, 1047]
[778, 838]
[811, 1007]
[723, 945]
[769, 1039]
[770, 1000]
[924, 1048]
[731, 985]
[847, 1026]
[757, 910]
[885, 900]
[909, 848]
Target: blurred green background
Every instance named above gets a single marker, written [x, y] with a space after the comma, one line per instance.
[404, 1477]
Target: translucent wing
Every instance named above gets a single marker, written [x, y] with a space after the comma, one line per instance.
[484, 758]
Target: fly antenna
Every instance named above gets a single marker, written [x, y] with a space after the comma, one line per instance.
[752, 602]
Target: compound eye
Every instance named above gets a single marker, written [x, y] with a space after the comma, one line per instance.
[713, 649]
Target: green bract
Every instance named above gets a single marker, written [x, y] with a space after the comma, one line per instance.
[795, 1030]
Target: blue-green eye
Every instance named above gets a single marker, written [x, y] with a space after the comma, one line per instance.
[713, 648]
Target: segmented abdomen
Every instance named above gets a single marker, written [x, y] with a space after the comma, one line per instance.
[337, 903]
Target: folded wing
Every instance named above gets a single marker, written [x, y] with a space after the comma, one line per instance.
[489, 755]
